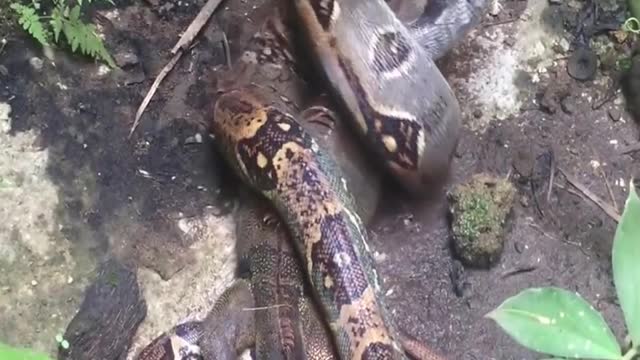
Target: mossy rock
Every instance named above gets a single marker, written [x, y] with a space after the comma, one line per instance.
[480, 210]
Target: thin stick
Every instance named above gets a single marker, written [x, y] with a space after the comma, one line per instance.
[264, 307]
[609, 190]
[552, 173]
[608, 209]
[604, 176]
[165, 71]
[196, 25]
[569, 190]
[180, 48]
[227, 50]
[630, 149]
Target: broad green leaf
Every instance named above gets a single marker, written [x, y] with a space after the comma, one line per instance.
[626, 264]
[634, 8]
[558, 323]
[10, 353]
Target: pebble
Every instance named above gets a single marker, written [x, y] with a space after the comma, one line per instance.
[195, 139]
[69, 280]
[518, 247]
[614, 114]
[36, 63]
[34, 282]
[379, 257]
[567, 105]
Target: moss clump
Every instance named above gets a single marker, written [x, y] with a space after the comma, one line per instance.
[479, 212]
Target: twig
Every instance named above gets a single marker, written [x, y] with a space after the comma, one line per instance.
[608, 209]
[606, 181]
[569, 190]
[606, 99]
[227, 50]
[264, 307]
[552, 172]
[502, 22]
[196, 25]
[609, 190]
[630, 148]
[518, 270]
[540, 229]
[165, 71]
[181, 46]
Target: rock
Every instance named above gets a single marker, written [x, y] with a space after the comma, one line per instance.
[631, 87]
[480, 209]
[523, 162]
[109, 316]
[568, 105]
[582, 64]
[36, 63]
[126, 58]
[614, 114]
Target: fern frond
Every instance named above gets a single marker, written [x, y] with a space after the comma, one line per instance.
[30, 21]
[83, 36]
[56, 23]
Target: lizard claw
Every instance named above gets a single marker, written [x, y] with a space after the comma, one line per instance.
[320, 115]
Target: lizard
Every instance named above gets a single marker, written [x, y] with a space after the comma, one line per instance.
[253, 103]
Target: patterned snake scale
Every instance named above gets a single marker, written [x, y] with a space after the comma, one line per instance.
[397, 98]
[277, 157]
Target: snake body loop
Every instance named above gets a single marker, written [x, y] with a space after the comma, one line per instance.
[271, 151]
[396, 97]
[258, 131]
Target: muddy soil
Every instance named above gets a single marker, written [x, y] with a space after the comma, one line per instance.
[76, 190]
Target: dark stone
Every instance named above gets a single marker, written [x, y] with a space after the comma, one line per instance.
[582, 64]
[109, 316]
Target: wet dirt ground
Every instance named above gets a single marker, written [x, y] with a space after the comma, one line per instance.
[76, 190]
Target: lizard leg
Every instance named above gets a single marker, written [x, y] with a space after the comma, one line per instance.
[229, 328]
[226, 330]
[418, 350]
[318, 116]
[277, 282]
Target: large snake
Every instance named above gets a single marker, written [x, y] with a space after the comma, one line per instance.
[372, 75]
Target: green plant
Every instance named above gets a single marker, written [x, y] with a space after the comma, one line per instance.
[632, 24]
[560, 323]
[65, 20]
[62, 342]
[10, 353]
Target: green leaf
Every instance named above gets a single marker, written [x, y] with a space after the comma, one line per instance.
[30, 21]
[10, 353]
[626, 263]
[56, 23]
[556, 322]
[74, 14]
[83, 36]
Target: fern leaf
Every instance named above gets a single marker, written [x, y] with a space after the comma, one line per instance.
[30, 21]
[74, 14]
[83, 36]
[56, 23]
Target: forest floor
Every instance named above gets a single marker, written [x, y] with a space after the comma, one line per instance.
[76, 190]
